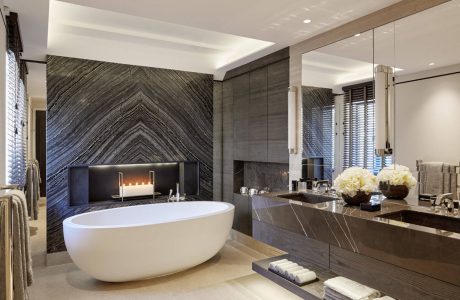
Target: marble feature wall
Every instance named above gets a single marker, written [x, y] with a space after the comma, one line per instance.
[318, 126]
[108, 113]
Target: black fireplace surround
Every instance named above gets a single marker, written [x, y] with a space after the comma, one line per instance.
[89, 184]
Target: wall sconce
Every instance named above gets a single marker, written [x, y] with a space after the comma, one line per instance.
[292, 120]
[384, 89]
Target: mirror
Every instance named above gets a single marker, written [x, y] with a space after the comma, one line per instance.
[341, 119]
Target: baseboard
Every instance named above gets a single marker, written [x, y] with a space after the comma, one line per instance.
[255, 244]
[58, 258]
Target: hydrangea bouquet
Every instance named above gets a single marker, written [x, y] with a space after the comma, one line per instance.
[395, 181]
[397, 175]
[354, 181]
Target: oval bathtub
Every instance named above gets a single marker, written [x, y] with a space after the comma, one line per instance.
[145, 241]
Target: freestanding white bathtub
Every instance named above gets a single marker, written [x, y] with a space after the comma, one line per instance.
[145, 241]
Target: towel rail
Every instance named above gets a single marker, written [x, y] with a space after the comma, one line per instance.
[7, 203]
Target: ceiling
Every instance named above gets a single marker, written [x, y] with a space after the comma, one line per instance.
[411, 45]
[200, 35]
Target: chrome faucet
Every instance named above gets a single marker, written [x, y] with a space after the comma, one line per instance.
[443, 200]
[318, 184]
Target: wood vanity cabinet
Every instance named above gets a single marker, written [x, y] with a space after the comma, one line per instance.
[260, 116]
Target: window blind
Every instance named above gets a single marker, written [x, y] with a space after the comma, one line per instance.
[359, 129]
[16, 122]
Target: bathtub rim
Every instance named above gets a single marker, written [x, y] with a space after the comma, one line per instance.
[68, 222]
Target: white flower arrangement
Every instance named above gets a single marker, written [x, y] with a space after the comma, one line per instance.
[355, 179]
[397, 175]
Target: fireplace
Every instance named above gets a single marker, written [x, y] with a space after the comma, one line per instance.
[89, 184]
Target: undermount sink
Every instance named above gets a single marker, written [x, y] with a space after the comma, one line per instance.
[308, 198]
[425, 219]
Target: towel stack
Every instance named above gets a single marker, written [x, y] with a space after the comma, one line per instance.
[341, 288]
[22, 261]
[292, 271]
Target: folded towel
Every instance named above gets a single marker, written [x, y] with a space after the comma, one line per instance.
[20, 197]
[330, 294]
[304, 277]
[351, 289]
[281, 267]
[273, 264]
[385, 298]
[292, 275]
[288, 271]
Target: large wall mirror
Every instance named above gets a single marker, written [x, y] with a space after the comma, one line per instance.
[420, 55]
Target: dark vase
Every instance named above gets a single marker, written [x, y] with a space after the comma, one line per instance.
[357, 199]
[394, 191]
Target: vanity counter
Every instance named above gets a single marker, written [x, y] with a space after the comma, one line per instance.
[428, 251]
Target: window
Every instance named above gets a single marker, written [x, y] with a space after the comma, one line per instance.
[16, 122]
[359, 129]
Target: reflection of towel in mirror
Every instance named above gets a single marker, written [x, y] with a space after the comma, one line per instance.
[22, 262]
[350, 289]
[431, 178]
[437, 178]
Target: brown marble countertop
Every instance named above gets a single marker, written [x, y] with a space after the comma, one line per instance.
[429, 251]
[338, 206]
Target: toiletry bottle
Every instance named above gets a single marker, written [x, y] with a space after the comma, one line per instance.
[177, 192]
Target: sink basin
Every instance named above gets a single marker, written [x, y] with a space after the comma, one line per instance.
[308, 198]
[425, 219]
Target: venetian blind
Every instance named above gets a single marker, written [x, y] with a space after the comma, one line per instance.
[359, 128]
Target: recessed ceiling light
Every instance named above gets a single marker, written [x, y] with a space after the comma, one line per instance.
[431, 64]
[358, 34]
[306, 21]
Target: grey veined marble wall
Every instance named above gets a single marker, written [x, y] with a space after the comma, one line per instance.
[108, 113]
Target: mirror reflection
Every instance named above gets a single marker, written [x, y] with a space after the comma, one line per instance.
[391, 89]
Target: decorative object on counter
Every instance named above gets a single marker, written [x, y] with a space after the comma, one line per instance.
[295, 185]
[253, 192]
[395, 181]
[344, 288]
[302, 185]
[244, 190]
[264, 190]
[370, 206]
[292, 271]
[356, 185]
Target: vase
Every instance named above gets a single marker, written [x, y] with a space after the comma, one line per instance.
[394, 191]
[357, 199]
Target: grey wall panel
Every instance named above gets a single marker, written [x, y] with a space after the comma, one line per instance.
[241, 120]
[227, 140]
[217, 141]
[257, 131]
[277, 101]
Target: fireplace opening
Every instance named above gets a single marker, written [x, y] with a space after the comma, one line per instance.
[95, 183]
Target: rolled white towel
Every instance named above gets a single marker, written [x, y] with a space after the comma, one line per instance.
[273, 264]
[385, 298]
[303, 277]
[292, 269]
[292, 275]
[351, 289]
[281, 267]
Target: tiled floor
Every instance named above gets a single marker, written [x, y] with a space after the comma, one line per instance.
[228, 275]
